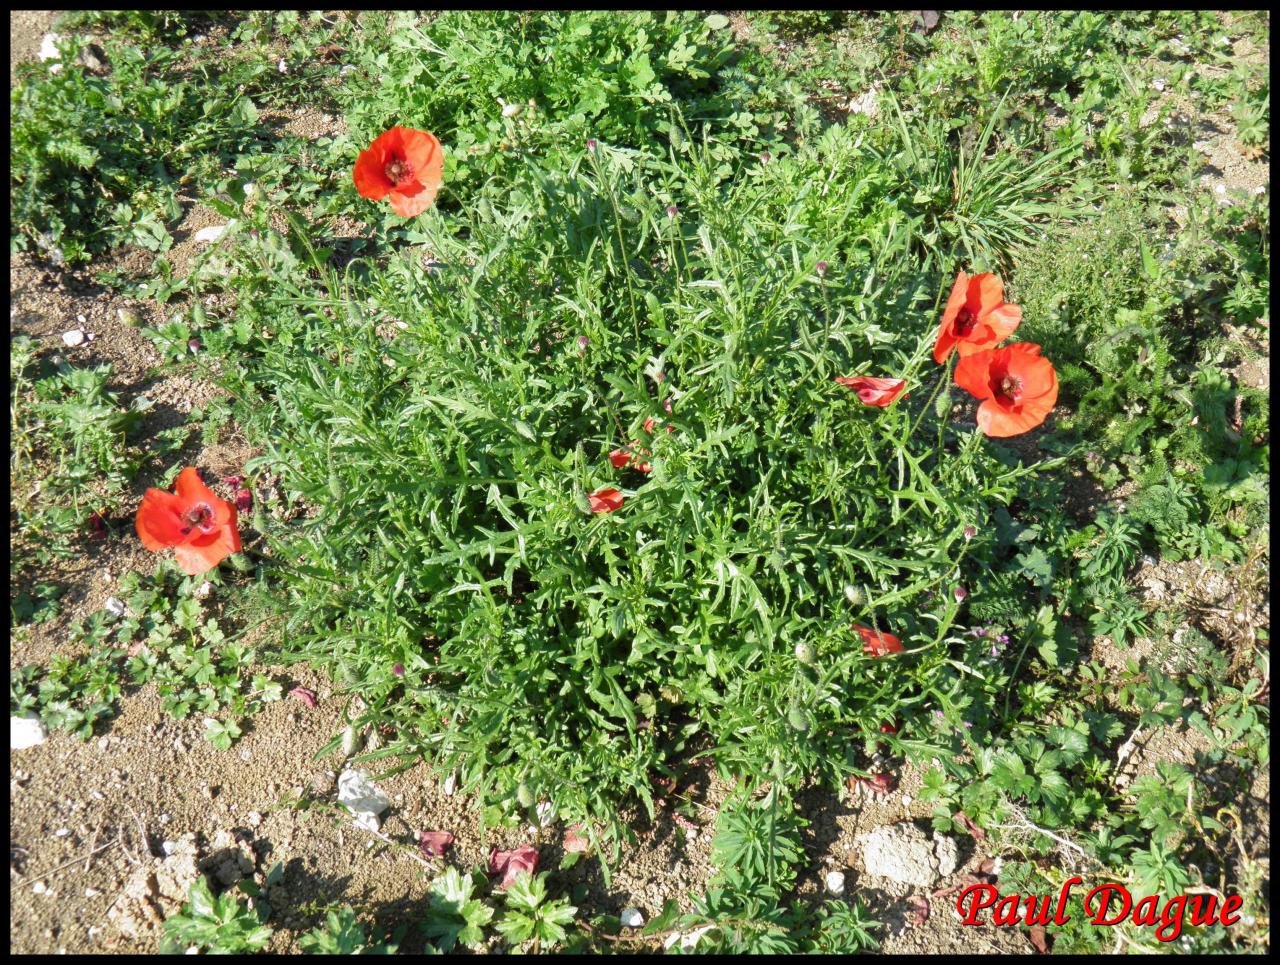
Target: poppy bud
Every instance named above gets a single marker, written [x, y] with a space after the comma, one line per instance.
[804, 653]
[798, 718]
[960, 593]
[242, 563]
[969, 533]
[583, 342]
[591, 144]
[524, 795]
[398, 669]
[820, 268]
[335, 484]
[194, 344]
[765, 157]
[888, 727]
[581, 501]
[942, 406]
[853, 595]
[672, 211]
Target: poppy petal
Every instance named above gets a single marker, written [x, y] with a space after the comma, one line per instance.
[407, 206]
[955, 301]
[1003, 321]
[973, 374]
[370, 172]
[986, 293]
[425, 155]
[192, 490]
[605, 500]
[159, 521]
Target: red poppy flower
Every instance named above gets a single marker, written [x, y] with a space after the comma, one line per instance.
[976, 317]
[512, 864]
[876, 644]
[605, 500]
[651, 423]
[405, 164]
[874, 391]
[199, 526]
[621, 458]
[1017, 387]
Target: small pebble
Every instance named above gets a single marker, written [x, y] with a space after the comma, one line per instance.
[835, 882]
[631, 918]
[92, 893]
[73, 338]
[40, 888]
[61, 832]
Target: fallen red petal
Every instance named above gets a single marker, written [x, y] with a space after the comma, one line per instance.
[306, 696]
[433, 844]
[919, 910]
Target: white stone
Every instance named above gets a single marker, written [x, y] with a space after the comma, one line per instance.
[40, 888]
[211, 233]
[49, 47]
[73, 338]
[546, 812]
[61, 832]
[26, 731]
[865, 104]
[835, 882]
[116, 607]
[361, 796]
[631, 917]
[451, 784]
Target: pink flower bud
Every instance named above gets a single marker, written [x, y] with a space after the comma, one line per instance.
[244, 500]
[398, 670]
[820, 268]
[591, 144]
[969, 533]
[672, 211]
[233, 482]
[960, 593]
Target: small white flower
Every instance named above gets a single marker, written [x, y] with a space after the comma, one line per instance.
[835, 882]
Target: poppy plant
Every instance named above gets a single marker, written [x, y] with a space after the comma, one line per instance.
[404, 165]
[199, 526]
[876, 644]
[1017, 388]
[605, 500]
[975, 318]
[874, 391]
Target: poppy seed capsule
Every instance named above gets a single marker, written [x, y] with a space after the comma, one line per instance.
[524, 795]
[335, 484]
[804, 653]
[798, 719]
[259, 518]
